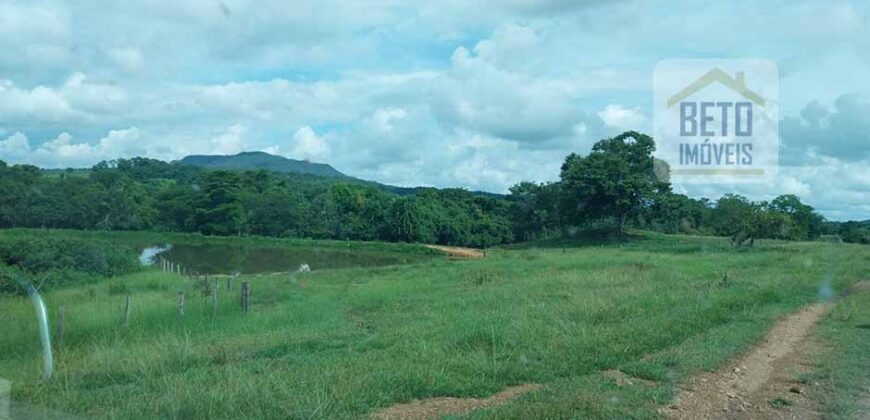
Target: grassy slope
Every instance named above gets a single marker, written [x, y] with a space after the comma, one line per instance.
[345, 342]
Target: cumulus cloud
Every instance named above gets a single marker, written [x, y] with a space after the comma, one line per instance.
[621, 117]
[384, 118]
[72, 102]
[63, 152]
[842, 132]
[488, 91]
[229, 142]
[307, 145]
[15, 148]
[40, 102]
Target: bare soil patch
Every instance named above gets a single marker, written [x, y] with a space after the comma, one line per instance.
[444, 406]
[458, 252]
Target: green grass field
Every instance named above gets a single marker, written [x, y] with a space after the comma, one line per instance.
[344, 343]
[842, 372]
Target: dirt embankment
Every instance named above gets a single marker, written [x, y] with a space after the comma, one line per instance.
[434, 408]
[458, 252]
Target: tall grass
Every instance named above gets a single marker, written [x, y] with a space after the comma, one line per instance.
[342, 343]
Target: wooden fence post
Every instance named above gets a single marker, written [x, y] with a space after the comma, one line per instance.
[214, 296]
[181, 305]
[246, 294]
[60, 327]
[127, 310]
[229, 283]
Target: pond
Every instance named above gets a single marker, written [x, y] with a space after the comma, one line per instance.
[229, 259]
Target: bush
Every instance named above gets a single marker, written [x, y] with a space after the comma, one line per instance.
[61, 262]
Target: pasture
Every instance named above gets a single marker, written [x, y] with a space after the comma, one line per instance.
[346, 343]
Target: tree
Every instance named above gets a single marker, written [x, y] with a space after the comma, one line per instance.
[220, 211]
[406, 222]
[677, 213]
[807, 224]
[855, 232]
[534, 210]
[613, 182]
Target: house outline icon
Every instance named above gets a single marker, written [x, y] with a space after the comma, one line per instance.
[737, 84]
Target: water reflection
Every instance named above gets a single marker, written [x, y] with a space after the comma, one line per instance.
[149, 254]
[228, 259]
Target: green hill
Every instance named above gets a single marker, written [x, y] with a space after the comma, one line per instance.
[261, 160]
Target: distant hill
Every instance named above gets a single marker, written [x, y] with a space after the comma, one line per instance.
[262, 160]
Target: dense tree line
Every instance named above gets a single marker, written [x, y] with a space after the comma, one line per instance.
[614, 186]
[147, 194]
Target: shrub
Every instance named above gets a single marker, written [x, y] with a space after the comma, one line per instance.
[55, 262]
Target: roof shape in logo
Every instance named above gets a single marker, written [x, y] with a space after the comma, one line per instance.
[737, 84]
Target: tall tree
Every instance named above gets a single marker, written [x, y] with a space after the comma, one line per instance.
[612, 182]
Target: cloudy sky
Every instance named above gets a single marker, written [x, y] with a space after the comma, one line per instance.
[477, 94]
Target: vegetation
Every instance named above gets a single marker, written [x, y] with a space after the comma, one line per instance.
[145, 194]
[615, 186]
[841, 378]
[343, 343]
[856, 232]
[55, 262]
[613, 181]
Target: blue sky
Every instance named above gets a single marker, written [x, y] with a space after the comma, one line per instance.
[479, 94]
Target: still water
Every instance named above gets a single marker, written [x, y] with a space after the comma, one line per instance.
[228, 259]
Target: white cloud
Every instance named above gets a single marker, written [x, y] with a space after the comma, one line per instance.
[229, 142]
[384, 118]
[621, 117]
[63, 152]
[307, 145]
[38, 103]
[479, 93]
[76, 101]
[509, 46]
[15, 148]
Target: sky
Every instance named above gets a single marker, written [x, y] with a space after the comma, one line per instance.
[454, 93]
